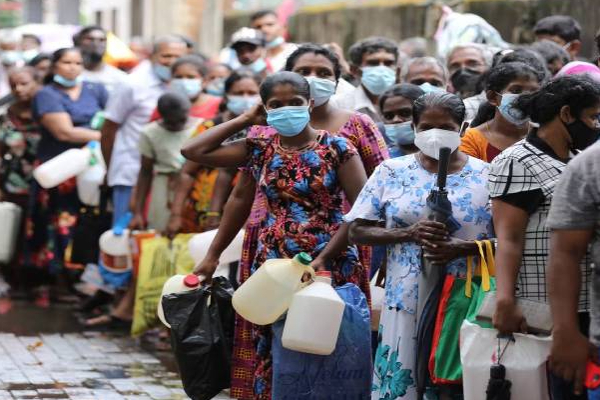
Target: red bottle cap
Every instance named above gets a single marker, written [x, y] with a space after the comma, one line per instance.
[325, 274]
[191, 281]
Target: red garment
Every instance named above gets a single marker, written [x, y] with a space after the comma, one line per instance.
[207, 110]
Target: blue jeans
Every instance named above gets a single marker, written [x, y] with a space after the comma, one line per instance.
[120, 197]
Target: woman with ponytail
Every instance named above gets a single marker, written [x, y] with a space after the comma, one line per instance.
[498, 125]
[521, 184]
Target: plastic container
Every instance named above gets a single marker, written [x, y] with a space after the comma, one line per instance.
[115, 250]
[199, 244]
[267, 294]
[176, 284]
[10, 220]
[63, 167]
[90, 180]
[314, 318]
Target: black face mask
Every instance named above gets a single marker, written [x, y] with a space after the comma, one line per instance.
[582, 136]
[465, 81]
[92, 56]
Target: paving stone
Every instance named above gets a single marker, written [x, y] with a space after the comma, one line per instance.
[24, 394]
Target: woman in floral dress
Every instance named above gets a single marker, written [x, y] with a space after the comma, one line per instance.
[304, 175]
[321, 68]
[395, 195]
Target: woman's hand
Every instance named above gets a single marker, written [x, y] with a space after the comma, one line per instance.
[508, 318]
[206, 268]
[212, 222]
[426, 232]
[173, 226]
[256, 115]
[137, 222]
[442, 252]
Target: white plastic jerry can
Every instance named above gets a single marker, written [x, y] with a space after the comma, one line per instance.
[314, 318]
[267, 294]
[176, 284]
[199, 244]
[115, 246]
[63, 167]
[90, 180]
[10, 220]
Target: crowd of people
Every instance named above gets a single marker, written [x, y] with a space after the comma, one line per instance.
[310, 151]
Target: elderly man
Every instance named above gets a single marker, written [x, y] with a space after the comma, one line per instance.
[427, 72]
[466, 64]
[128, 110]
[91, 40]
[278, 50]
[374, 61]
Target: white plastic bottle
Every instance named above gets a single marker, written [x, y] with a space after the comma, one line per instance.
[267, 294]
[63, 167]
[90, 180]
[176, 284]
[314, 318]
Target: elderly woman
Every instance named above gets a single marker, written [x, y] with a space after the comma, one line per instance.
[391, 210]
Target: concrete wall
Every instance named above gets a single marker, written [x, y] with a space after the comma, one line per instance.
[513, 18]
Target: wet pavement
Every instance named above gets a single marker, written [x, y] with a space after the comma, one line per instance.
[43, 356]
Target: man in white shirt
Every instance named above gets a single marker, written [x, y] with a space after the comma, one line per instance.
[277, 49]
[128, 110]
[374, 61]
[91, 40]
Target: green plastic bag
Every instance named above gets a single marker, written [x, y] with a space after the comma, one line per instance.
[461, 299]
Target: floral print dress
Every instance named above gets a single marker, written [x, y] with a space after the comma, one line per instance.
[304, 202]
[362, 133]
[396, 194]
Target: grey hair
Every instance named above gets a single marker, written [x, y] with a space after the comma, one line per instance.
[484, 50]
[423, 61]
[166, 39]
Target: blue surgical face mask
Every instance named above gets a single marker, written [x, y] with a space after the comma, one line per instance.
[378, 79]
[401, 134]
[10, 57]
[321, 89]
[429, 88]
[163, 73]
[190, 87]
[68, 83]
[258, 66]
[278, 41]
[240, 104]
[288, 121]
[509, 112]
[216, 87]
[30, 54]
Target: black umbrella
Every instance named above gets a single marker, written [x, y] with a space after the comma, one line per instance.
[498, 386]
[431, 279]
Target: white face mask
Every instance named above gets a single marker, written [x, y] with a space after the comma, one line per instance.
[432, 140]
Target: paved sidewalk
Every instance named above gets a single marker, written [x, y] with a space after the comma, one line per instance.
[81, 367]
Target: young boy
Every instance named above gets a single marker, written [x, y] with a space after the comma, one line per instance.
[160, 146]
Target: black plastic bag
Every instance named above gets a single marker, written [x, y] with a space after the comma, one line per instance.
[91, 223]
[202, 327]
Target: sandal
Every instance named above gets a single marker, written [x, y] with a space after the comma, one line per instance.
[106, 323]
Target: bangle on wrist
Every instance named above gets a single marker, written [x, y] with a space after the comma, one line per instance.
[212, 214]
